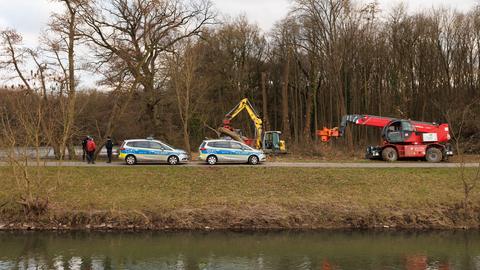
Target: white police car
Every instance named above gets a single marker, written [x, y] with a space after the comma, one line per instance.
[151, 151]
[229, 151]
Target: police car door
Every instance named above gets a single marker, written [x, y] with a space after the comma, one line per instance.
[159, 152]
[238, 154]
[143, 151]
[223, 151]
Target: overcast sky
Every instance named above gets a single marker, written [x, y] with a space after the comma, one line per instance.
[29, 17]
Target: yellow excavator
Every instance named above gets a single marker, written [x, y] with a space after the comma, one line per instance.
[268, 141]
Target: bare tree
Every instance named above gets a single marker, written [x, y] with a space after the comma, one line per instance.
[189, 88]
[264, 87]
[34, 84]
[65, 27]
[285, 42]
[140, 34]
[14, 56]
[24, 130]
[122, 91]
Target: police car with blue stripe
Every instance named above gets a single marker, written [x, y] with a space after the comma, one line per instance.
[229, 151]
[151, 151]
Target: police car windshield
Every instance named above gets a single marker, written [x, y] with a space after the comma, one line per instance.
[246, 147]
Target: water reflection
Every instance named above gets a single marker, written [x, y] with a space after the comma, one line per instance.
[410, 251]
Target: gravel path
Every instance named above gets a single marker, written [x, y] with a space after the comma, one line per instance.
[277, 164]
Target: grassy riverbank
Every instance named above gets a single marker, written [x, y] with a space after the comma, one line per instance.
[242, 198]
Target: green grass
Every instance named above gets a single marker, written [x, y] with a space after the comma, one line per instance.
[286, 191]
[153, 187]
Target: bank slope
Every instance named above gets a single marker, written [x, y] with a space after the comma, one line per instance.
[239, 198]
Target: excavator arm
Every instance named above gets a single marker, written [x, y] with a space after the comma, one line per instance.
[246, 105]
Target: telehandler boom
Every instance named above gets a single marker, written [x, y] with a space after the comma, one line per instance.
[401, 138]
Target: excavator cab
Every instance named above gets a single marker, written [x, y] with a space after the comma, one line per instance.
[272, 142]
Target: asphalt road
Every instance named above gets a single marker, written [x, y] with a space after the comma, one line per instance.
[372, 165]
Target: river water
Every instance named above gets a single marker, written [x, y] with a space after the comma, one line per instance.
[325, 250]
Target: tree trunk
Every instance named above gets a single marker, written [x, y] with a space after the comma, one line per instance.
[70, 117]
[266, 123]
[118, 111]
[285, 98]
[315, 108]
[186, 138]
[71, 151]
[308, 117]
[311, 99]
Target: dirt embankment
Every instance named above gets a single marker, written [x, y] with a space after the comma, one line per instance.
[244, 199]
[250, 218]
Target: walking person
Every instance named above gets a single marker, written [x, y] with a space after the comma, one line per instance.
[84, 148]
[91, 147]
[109, 146]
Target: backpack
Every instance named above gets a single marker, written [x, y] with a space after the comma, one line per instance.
[91, 146]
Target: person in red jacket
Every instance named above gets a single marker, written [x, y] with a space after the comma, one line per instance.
[91, 147]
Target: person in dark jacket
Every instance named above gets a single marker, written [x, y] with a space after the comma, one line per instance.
[84, 148]
[109, 147]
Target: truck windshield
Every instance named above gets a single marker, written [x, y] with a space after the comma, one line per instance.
[407, 126]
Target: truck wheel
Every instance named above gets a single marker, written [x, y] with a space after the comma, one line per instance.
[390, 154]
[434, 155]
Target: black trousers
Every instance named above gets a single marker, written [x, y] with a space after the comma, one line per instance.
[91, 157]
[109, 154]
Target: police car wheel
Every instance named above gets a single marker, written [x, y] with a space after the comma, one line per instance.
[253, 160]
[173, 160]
[131, 160]
[212, 160]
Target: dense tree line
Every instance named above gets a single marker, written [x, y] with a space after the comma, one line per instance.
[170, 69]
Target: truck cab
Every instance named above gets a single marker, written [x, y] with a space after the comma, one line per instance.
[399, 131]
